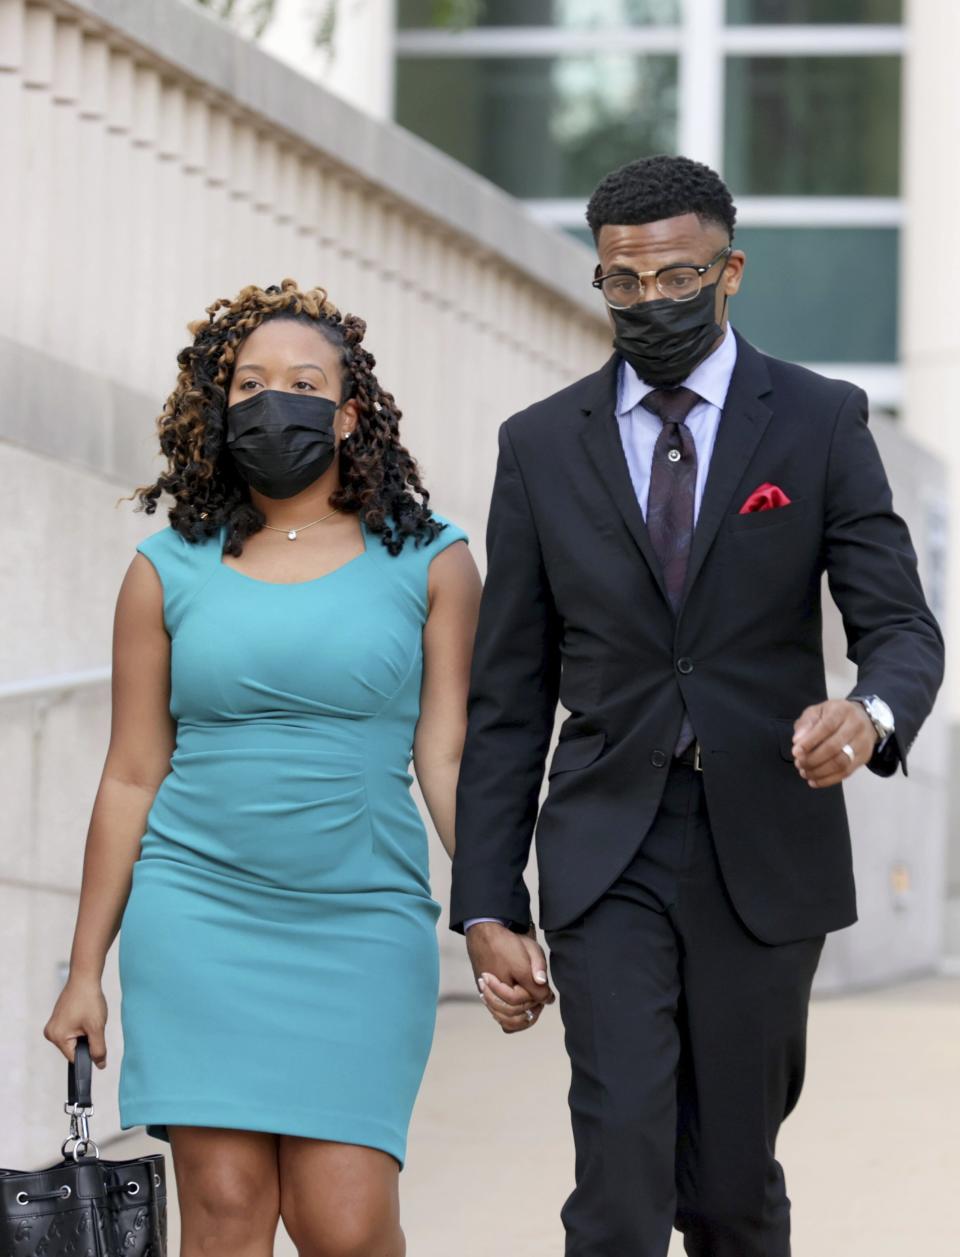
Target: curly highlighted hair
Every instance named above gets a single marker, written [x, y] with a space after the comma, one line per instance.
[379, 479]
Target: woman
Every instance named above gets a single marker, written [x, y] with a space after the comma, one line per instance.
[279, 649]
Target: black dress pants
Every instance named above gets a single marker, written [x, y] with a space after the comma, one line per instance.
[686, 1038]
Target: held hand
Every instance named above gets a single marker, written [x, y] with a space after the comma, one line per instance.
[80, 1010]
[511, 973]
[820, 735]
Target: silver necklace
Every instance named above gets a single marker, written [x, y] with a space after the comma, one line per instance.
[292, 532]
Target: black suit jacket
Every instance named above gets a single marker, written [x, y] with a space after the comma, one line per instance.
[575, 609]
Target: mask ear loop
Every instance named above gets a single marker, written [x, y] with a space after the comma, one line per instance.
[726, 295]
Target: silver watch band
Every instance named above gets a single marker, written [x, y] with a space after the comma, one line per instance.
[869, 703]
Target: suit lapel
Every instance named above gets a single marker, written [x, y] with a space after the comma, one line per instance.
[601, 439]
[744, 421]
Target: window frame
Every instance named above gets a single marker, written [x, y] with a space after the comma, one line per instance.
[702, 41]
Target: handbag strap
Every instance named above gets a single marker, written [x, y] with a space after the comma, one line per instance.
[80, 1075]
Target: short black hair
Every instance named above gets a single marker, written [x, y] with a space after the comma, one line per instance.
[654, 188]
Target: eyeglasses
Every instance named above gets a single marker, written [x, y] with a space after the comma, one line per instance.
[680, 282]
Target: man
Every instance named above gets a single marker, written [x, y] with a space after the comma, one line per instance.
[657, 539]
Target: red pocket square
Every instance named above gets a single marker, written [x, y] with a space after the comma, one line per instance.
[767, 498]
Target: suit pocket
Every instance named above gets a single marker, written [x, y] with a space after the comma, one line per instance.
[760, 521]
[576, 753]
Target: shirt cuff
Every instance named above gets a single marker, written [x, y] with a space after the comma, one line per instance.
[480, 920]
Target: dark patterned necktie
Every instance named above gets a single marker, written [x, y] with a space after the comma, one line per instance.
[670, 506]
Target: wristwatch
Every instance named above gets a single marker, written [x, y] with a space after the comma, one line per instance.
[881, 717]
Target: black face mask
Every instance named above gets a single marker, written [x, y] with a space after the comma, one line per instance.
[281, 442]
[664, 340]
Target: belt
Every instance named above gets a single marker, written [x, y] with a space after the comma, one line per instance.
[691, 757]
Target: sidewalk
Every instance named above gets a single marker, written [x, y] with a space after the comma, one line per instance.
[872, 1154]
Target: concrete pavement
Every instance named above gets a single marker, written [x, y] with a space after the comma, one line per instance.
[872, 1154]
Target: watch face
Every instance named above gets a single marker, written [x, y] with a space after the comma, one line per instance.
[878, 710]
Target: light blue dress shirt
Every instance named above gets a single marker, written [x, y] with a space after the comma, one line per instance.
[639, 429]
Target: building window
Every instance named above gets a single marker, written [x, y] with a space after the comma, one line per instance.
[573, 14]
[813, 126]
[541, 126]
[820, 294]
[796, 102]
[813, 12]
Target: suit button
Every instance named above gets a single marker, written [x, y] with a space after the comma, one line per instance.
[685, 665]
[658, 758]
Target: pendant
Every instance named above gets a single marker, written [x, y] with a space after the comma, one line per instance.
[292, 534]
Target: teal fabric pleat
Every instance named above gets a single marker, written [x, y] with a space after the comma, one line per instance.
[278, 952]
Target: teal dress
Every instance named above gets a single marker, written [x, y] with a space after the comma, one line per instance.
[278, 951]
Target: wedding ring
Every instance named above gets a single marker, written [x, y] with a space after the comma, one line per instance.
[849, 752]
[529, 1014]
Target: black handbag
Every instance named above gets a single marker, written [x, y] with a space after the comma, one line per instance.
[84, 1206]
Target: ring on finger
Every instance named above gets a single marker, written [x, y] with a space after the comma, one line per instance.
[849, 752]
[529, 1014]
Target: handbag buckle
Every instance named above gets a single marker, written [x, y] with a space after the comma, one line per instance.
[79, 1132]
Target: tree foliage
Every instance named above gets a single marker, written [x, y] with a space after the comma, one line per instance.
[252, 17]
